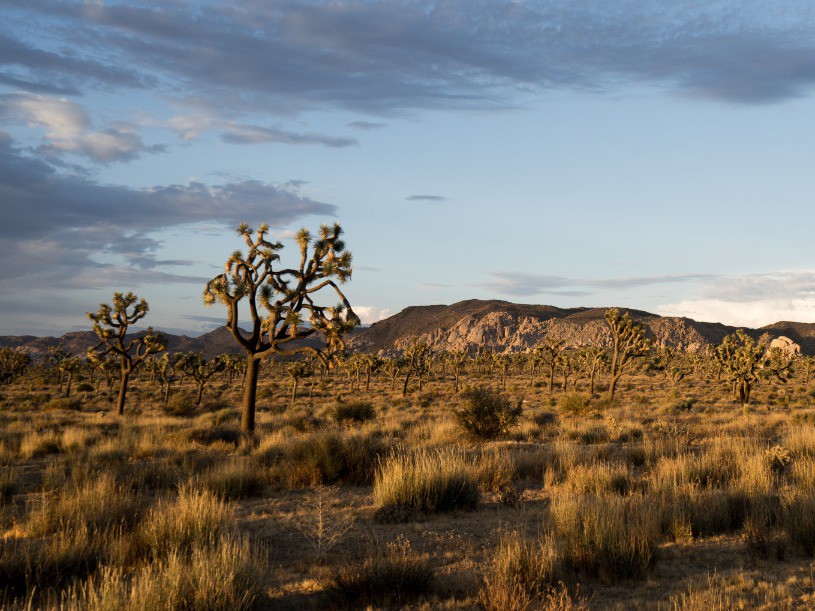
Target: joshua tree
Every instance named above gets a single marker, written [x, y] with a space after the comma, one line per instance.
[392, 367]
[457, 360]
[628, 341]
[12, 364]
[68, 368]
[199, 369]
[590, 360]
[743, 361]
[297, 371]
[417, 357]
[110, 324]
[286, 294]
[547, 353]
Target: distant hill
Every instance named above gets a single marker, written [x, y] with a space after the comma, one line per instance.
[502, 326]
[219, 341]
[499, 326]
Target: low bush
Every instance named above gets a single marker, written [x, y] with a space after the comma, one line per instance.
[235, 479]
[574, 403]
[486, 413]
[355, 411]
[391, 577]
[427, 481]
[614, 537]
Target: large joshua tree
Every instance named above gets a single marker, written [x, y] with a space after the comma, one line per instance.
[278, 298]
[111, 324]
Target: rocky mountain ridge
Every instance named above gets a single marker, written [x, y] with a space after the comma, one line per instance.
[498, 326]
[502, 326]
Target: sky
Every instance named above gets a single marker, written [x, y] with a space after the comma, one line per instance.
[640, 154]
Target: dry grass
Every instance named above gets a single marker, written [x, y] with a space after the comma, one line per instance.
[623, 505]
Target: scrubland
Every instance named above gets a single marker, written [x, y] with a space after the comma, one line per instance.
[666, 498]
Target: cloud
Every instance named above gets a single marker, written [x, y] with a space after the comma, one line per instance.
[369, 314]
[68, 129]
[293, 55]
[56, 227]
[253, 134]
[365, 125]
[426, 198]
[752, 300]
[518, 284]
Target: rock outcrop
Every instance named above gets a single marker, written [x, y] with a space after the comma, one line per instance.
[504, 327]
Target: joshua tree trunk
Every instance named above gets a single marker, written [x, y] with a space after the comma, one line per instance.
[120, 404]
[250, 383]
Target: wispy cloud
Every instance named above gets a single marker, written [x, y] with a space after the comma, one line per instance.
[433, 199]
[519, 284]
[366, 125]
[254, 134]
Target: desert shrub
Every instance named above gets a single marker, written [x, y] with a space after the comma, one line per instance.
[613, 537]
[714, 512]
[34, 444]
[35, 566]
[520, 573]
[544, 419]
[234, 479]
[179, 525]
[181, 405]
[360, 456]
[314, 459]
[84, 387]
[226, 576]
[798, 520]
[574, 403]
[486, 413]
[63, 403]
[355, 411]
[8, 483]
[213, 434]
[97, 504]
[427, 481]
[496, 469]
[393, 576]
[77, 438]
[602, 478]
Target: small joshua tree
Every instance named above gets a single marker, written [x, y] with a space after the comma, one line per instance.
[286, 295]
[628, 341]
[111, 324]
[194, 365]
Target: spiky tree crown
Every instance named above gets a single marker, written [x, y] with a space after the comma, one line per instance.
[286, 294]
[110, 324]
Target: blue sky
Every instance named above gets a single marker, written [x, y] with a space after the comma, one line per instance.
[651, 155]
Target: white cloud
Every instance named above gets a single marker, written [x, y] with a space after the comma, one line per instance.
[369, 314]
[743, 314]
[69, 130]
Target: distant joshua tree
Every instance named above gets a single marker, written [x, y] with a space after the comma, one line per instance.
[743, 361]
[286, 294]
[628, 341]
[111, 324]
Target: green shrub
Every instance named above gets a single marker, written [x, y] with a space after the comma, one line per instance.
[574, 403]
[181, 405]
[427, 481]
[63, 403]
[486, 413]
[356, 411]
